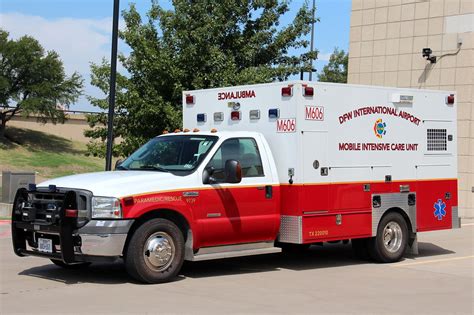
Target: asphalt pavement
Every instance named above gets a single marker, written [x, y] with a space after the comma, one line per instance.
[325, 280]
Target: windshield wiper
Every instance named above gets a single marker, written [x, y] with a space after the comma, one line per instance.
[154, 168]
[120, 167]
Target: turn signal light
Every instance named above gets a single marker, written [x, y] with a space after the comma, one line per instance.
[286, 91]
[450, 99]
[189, 99]
[71, 213]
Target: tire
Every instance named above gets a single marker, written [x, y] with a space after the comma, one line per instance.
[393, 228]
[165, 239]
[360, 248]
[74, 266]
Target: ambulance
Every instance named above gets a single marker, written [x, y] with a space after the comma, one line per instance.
[258, 169]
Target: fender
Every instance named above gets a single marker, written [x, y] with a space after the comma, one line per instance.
[136, 206]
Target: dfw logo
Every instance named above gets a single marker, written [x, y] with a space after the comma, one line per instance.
[380, 128]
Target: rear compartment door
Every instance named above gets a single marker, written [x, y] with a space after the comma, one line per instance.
[436, 191]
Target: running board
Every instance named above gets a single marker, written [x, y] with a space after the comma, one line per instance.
[229, 251]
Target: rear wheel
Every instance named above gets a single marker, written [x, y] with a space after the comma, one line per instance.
[391, 241]
[155, 253]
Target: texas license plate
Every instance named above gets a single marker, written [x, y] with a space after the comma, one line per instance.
[45, 245]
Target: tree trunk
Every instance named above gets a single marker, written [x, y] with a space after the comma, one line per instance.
[3, 122]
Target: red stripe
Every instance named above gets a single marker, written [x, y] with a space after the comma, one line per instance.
[243, 214]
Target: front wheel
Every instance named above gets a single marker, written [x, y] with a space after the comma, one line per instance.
[155, 253]
[391, 241]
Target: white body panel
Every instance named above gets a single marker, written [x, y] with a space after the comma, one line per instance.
[402, 151]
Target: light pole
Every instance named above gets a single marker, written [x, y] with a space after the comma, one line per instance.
[312, 42]
[113, 74]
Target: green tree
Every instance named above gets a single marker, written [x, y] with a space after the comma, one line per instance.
[336, 69]
[209, 43]
[33, 81]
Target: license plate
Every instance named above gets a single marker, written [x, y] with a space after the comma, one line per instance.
[45, 245]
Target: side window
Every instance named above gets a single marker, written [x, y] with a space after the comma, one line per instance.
[244, 150]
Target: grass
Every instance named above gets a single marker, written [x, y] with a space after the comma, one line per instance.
[48, 155]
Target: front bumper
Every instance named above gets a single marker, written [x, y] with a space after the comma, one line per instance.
[104, 238]
[98, 240]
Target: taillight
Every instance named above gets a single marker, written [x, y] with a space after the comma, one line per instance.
[450, 99]
[286, 91]
[189, 99]
[308, 91]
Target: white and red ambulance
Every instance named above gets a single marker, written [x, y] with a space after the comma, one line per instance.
[256, 169]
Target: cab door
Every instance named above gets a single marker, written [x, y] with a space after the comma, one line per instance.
[245, 212]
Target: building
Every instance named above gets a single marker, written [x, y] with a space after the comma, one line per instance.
[386, 42]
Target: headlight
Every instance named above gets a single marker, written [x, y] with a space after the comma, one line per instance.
[106, 208]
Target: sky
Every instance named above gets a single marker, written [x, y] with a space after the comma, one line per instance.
[80, 31]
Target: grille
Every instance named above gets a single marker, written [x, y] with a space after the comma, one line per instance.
[43, 207]
[437, 140]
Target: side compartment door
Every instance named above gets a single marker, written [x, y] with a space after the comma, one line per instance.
[316, 172]
[238, 213]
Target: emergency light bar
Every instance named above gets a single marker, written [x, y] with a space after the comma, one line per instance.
[189, 99]
[254, 114]
[218, 116]
[308, 91]
[201, 117]
[286, 91]
[450, 99]
[273, 113]
[235, 115]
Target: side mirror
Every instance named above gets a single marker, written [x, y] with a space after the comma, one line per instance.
[117, 163]
[233, 172]
[207, 176]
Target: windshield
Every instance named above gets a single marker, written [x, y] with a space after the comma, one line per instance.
[170, 154]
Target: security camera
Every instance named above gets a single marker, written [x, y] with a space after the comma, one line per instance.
[426, 53]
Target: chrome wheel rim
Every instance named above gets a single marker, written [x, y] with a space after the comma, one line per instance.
[392, 237]
[159, 251]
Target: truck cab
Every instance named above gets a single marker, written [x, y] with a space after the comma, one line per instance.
[216, 194]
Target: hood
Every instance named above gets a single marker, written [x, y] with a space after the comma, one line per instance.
[119, 183]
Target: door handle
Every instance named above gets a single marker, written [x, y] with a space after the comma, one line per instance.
[268, 192]
[260, 188]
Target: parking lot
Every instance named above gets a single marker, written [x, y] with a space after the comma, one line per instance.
[325, 280]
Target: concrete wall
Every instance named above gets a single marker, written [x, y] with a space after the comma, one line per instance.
[386, 40]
